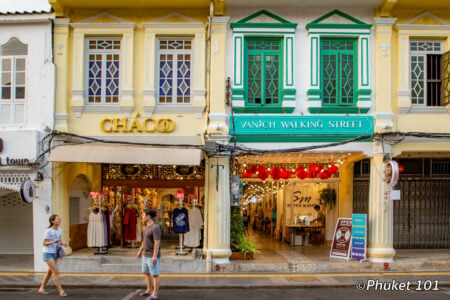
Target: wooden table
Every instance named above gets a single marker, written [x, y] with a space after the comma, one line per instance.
[302, 229]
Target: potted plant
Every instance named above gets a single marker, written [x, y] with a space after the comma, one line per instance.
[328, 197]
[247, 247]
[236, 227]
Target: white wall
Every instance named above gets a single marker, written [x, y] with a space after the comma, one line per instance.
[35, 30]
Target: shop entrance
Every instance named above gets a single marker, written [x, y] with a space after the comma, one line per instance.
[126, 190]
[279, 193]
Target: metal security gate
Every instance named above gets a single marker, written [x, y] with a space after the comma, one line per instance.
[421, 217]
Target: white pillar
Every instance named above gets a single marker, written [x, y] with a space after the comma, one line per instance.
[380, 222]
[217, 216]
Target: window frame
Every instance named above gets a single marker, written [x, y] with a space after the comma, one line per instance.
[264, 54]
[338, 53]
[249, 28]
[353, 28]
[104, 53]
[425, 80]
[175, 85]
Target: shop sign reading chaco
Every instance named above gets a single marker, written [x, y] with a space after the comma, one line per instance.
[137, 125]
[391, 173]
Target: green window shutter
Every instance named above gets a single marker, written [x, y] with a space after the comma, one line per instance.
[263, 75]
[339, 72]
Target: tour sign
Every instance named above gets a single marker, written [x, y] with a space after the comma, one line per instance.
[391, 173]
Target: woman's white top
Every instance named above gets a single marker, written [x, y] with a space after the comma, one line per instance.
[51, 235]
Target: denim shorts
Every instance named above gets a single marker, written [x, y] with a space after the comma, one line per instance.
[46, 256]
[149, 267]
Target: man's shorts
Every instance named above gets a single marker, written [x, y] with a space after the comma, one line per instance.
[149, 267]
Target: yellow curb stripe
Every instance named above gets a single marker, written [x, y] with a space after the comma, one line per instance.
[247, 275]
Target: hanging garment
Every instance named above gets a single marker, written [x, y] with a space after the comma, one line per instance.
[192, 238]
[180, 220]
[130, 223]
[96, 230]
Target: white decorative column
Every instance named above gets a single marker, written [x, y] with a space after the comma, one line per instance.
[380, 219]
[217, 211]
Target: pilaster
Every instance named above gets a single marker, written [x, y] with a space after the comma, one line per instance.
[380, 219]
[217, 212]
[61, 50]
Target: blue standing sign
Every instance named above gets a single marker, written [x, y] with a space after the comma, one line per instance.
[359, 236]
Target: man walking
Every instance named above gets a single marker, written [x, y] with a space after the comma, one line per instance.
[151, 253]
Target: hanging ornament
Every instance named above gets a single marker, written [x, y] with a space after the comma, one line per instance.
[263, 174]
[312, 174]
[285, 174]
[252, 169]
[301, 174]
[261, 168]
[246, 174]
[276, 173]
[401, 168]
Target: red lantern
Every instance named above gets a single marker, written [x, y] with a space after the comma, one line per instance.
[263, 175]
[261, 168]
[276, 173]
[313, 167]
[312, 174]
[252, 169]
[302, 174]
[334, 168]
[401, 168]
[285, 174]
[246, 174]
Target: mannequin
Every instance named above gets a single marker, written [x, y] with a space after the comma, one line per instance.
[193, 236]
[180, 223]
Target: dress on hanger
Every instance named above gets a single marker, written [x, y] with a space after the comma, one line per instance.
[192, 238]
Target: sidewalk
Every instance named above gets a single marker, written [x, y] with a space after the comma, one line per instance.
[306, 267]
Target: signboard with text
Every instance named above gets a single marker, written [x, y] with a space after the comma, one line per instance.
[359, 236]
[251, 128]
[340, 246]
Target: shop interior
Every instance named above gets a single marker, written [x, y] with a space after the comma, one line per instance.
[113, 218]
[278, 194]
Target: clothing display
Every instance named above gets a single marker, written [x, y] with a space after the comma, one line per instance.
[96, 229]
[130, 224]
[193, 236]
[180, 220]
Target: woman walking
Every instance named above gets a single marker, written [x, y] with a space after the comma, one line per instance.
[52, 240]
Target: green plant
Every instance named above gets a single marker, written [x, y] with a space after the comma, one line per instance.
[246, 246]
[236, 227]
[328, 196]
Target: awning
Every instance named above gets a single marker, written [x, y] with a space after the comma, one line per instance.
[125, 154]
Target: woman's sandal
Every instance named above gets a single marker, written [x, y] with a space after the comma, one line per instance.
[43, 292]
[63, 294]
[144, 294]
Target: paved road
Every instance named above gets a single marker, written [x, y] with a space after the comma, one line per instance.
[220, 294]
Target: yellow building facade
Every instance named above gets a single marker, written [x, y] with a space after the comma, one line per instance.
[132, 81]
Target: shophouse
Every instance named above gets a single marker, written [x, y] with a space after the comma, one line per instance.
[303, 111]
[26, 117]
[130, 118]
[413, 85]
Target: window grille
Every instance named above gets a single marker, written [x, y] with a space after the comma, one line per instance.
[175, 64]
[103, 70]
[425, 72]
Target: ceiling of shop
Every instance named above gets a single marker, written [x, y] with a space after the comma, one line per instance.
[296, 158]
